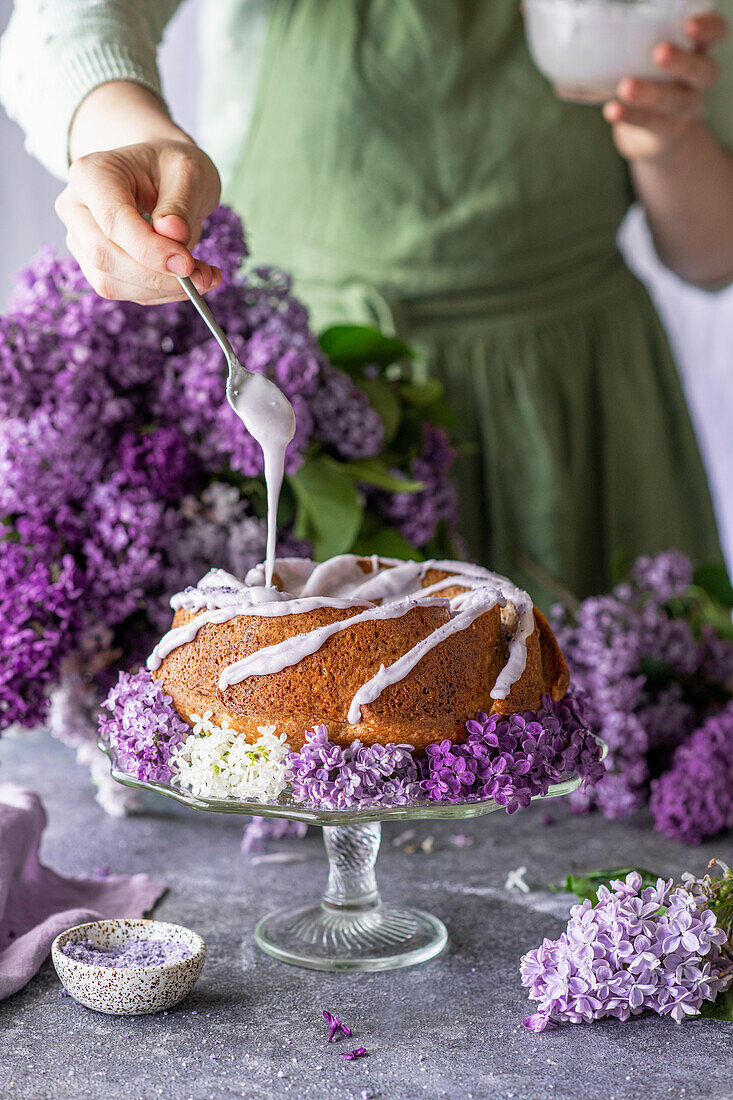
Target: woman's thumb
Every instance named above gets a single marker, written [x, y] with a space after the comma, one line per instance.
[171, 218]
[174, 215]
[172, 225]
[188, 188]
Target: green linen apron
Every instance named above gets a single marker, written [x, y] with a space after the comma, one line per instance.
[410, 166]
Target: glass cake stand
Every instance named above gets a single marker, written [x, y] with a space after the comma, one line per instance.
[351, 928]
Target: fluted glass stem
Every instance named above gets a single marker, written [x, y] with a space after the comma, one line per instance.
[350, 928]
[352, 853]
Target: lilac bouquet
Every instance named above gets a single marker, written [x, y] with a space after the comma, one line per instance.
[637, 947]
[654, 663]
[510, 759]
[124, 474]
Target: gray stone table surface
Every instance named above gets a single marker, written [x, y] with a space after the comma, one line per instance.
[252, 1026]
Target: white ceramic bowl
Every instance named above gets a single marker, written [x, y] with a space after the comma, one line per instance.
[585, 47]
[135, 990]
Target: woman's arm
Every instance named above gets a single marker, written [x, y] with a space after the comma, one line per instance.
[682, 175]
[81, 79]
[55, 52]
[688, 196]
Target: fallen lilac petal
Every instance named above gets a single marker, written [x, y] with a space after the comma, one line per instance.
[461, 840]
[538, 1022]
[334, 1025]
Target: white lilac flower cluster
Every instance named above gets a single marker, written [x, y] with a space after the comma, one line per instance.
[217, 762]
[657, 948]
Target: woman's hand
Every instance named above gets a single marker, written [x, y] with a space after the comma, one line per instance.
[163, 173]
[649, 117]
[681, 172]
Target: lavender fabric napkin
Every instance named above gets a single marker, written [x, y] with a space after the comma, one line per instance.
[36, 904]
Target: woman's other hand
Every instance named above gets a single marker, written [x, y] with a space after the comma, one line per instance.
[164, 174]
[649, 117]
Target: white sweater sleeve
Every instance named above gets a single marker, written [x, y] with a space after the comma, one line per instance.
[54, 52]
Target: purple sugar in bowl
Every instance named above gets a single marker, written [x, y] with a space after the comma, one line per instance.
[128, 967]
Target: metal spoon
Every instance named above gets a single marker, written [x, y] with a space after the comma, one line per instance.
[246, 391]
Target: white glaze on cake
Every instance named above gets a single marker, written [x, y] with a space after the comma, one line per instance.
[390, 590]
[292, 650]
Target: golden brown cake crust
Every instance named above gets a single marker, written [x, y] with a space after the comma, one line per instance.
[448, 685]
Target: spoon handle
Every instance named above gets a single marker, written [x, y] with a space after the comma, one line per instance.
[202, 308]
[208, 317]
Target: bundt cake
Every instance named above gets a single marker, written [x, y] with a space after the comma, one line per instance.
[377, 649]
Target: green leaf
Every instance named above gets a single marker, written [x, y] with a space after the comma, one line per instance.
[678, 607]
[373, 471]
[719, 1009]
[384, 400]
[441, 414]
[355, 345]
[713, 579]
[329, 509]
[388, 543]
[586, 886]
[708, 612]
[422, 394]
[658, 673]
[409, 440]
[723, 630]
[720, 899]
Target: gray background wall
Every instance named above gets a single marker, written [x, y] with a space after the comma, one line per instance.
[700, 325]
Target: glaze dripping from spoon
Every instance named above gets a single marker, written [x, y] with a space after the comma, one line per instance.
[262, 407]
[269, 418]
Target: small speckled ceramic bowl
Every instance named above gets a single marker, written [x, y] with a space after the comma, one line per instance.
[134, 990]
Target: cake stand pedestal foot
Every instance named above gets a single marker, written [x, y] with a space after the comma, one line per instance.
[351, 929]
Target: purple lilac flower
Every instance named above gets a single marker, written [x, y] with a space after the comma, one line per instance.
[513, 758]
[40, 620]
[646, 679]
[223, 243]
[143, 727]
[158, 460]
[656, 948]
[215, 527]
[694, 799]
[417, 515]
[666, 575]
[335, 778]
[344, 418]
[716, 658]
[262, 829]
[335, 1026]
